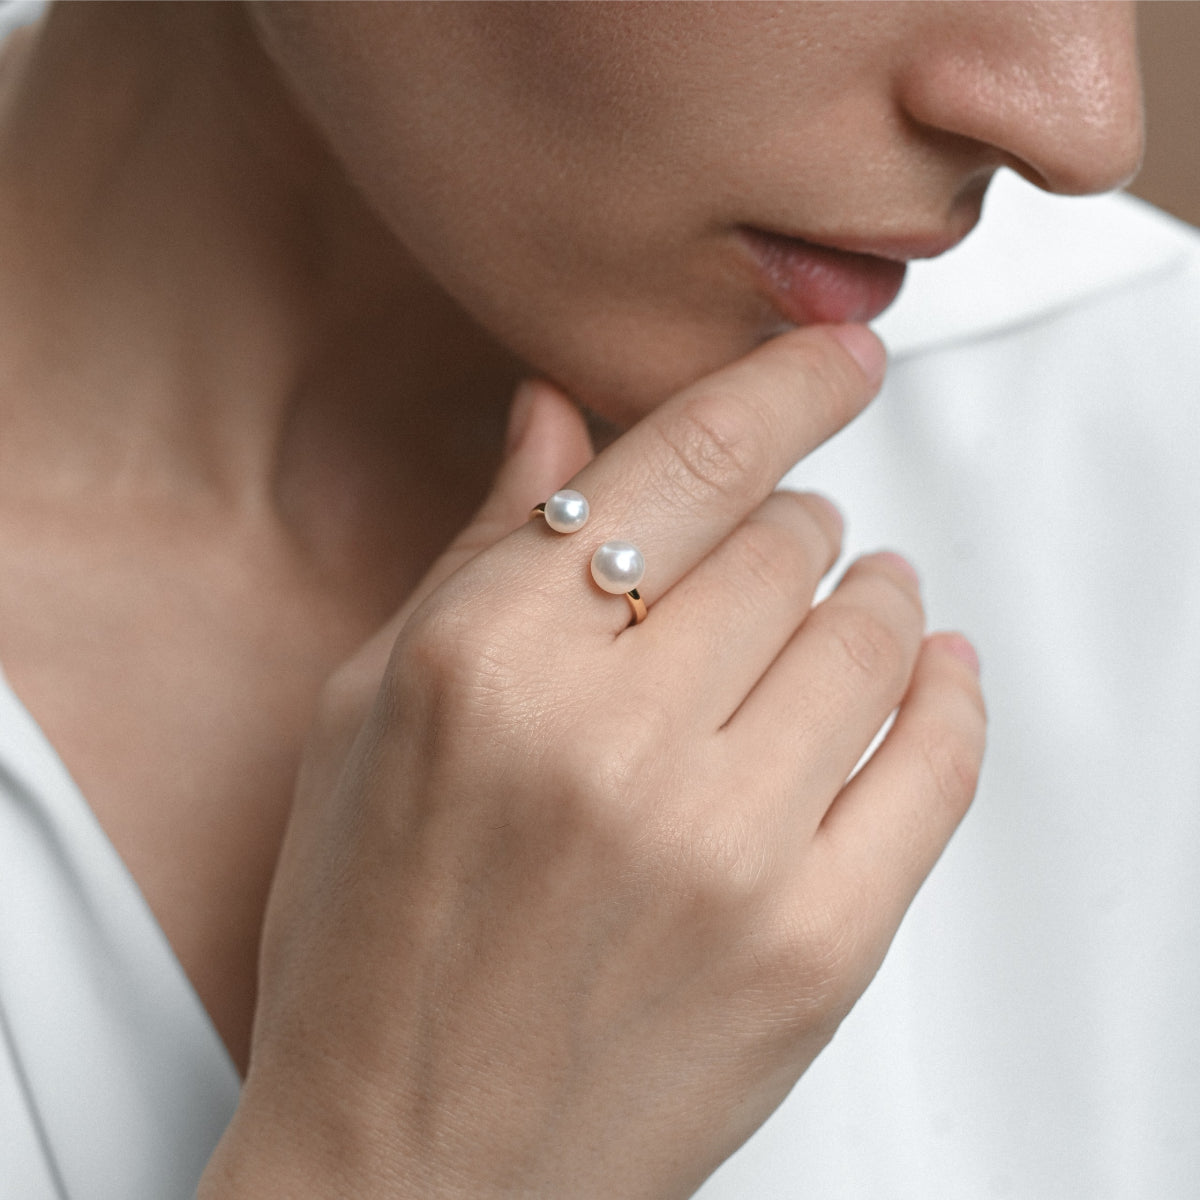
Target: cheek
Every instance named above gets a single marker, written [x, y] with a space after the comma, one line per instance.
[557, 169]
[568, 249]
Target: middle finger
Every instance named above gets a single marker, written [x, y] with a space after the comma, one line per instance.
[723, 624]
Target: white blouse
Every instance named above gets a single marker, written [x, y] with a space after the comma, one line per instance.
[113, 1082]
[1034, 1032]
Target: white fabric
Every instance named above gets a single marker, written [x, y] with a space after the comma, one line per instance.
[113, 1082]
[1033, 1033]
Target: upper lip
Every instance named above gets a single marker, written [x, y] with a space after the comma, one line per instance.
[825, 276]
[894, 248]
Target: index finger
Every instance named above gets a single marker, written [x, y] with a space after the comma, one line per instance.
[691, 471]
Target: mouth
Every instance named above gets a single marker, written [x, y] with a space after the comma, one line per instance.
[810, 283]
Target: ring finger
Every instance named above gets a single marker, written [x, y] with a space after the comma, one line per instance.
[722, 625]
[835, 683]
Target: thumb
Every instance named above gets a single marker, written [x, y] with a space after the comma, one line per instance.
[547, 443]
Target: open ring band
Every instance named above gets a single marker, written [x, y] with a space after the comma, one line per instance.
[617, 567]
[638, 606]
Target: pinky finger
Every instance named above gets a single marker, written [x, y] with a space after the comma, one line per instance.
[890, 823]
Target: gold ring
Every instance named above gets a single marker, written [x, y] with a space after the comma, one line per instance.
[617, 567]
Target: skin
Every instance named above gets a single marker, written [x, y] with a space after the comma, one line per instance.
[669, 125]
[261, 314]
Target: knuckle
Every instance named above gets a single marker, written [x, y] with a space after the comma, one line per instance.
[813, 521]
[808, 965]
[869, 644]
[457, 658]
[951, 757]
[817, 947]
[902, 596]
[823, 521]
[430, 648]
[769, 553]
[715, 446]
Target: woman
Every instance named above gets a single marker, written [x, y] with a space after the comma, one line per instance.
[566, 904]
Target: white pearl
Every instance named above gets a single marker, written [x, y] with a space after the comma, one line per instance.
[618, 567]
[566, 511]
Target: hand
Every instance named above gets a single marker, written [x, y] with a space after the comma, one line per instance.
[566, 907]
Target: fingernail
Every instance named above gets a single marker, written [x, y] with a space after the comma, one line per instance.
[900, 563]
[958, 645]
[519, 415]
[864, 347]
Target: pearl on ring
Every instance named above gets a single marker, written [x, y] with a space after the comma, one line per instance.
[618, 567]
[566, 511]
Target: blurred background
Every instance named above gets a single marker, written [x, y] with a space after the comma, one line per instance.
[1170, 39]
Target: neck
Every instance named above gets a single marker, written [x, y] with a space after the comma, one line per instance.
[196, 306]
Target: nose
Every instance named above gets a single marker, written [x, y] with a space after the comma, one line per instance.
[1050, 89]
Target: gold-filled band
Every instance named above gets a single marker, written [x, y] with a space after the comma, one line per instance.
[638, 605]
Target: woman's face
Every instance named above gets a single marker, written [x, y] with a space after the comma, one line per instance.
[585, 179]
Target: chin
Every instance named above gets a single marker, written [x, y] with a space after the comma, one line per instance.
[625, 370]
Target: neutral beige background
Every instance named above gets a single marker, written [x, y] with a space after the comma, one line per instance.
[1170, 38]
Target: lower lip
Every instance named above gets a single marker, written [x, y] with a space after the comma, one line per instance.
[812, 285]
